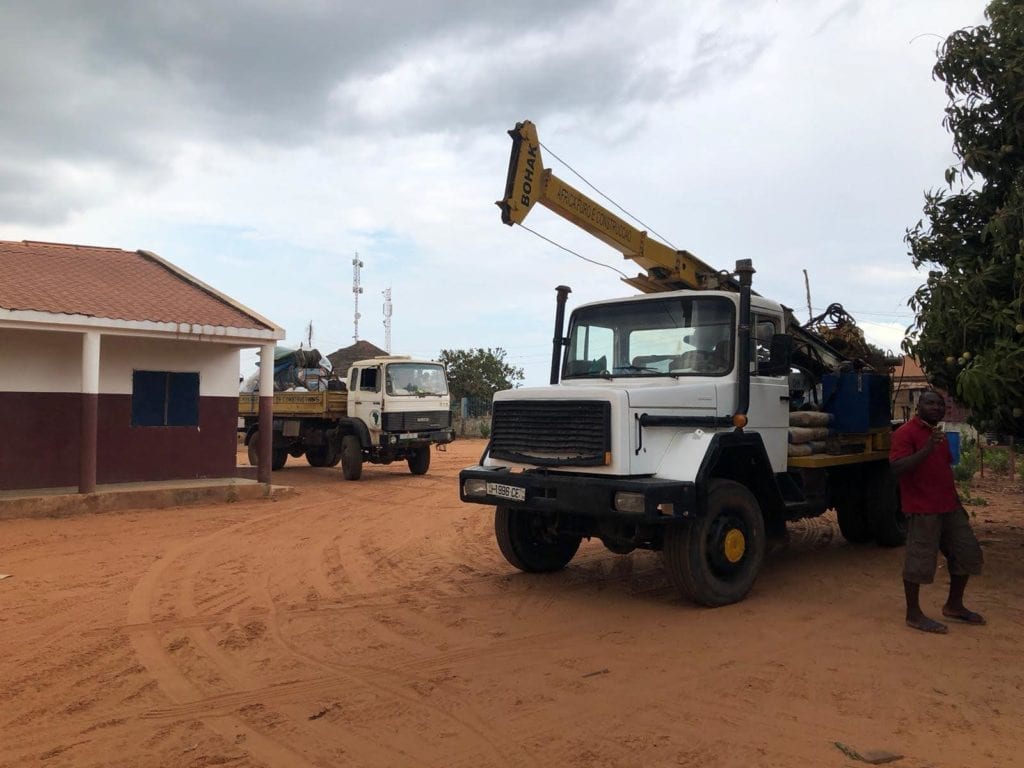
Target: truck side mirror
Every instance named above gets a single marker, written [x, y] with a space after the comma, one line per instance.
[780, 356]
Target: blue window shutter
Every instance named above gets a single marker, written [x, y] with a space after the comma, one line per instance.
[183, 400]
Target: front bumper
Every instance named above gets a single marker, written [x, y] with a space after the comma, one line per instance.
[415, 439]
[579, 494]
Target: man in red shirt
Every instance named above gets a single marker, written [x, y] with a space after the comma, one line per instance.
[936, 520]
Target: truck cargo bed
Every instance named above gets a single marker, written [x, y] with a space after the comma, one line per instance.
[327, 404]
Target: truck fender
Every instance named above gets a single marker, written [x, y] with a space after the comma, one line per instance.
[353, 426]
[740, 456]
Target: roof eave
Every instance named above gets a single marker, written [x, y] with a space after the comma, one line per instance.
[24, 319]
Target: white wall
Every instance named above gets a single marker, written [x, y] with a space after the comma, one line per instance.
[40, 361]
[45, 361]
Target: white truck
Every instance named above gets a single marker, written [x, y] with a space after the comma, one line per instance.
[669, 419]
[391, 408]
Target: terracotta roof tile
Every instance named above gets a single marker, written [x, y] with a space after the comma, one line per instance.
[108, 283]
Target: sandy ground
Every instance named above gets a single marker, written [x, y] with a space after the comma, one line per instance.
[374, 623]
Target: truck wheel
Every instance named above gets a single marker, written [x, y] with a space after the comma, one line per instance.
[850, 502]
[853, 522]
[715, 558]
[278, 458]
[419, 462]
[253, 448]
[322, 455]
[887, 518]
[528, 544]
[351, 457]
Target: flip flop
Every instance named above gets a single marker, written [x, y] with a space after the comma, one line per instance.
[966, 616]
[928, 625]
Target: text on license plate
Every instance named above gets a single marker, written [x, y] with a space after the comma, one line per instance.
[506, 491]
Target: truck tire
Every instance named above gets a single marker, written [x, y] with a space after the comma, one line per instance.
[325, 455]
[419, 462]
[850, 502]
[351, 457]
[715, 558]
[853, 522]
[527, 544]
[253, 449]
[888, 522]
[278, 456]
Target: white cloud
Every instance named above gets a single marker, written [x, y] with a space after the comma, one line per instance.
[261, 150]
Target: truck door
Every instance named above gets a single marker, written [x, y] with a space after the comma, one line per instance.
[768, 412]
[365, 396]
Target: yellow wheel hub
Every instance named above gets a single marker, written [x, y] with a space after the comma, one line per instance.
[735, 545]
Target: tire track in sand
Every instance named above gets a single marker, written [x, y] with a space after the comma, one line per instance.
[183, 568]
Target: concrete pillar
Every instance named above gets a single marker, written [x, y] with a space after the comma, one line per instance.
[266, 423]
[90, 409]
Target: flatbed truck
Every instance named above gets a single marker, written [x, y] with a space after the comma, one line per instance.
[392, 408]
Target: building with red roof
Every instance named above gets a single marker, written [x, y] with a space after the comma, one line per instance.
[116, 366]
[909, 382]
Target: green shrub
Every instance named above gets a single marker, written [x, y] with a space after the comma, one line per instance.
[485, 429]
[997, 461]
[963, 472]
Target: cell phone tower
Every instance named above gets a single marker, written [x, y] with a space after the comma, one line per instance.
[356, 290]
[387, 320]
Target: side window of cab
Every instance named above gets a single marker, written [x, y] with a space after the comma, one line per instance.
[762, 330]
[369, 379]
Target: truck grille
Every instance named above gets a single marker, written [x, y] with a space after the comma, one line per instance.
[551, 432]
[416, 421]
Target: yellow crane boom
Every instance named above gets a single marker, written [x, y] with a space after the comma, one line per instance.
[529, 183]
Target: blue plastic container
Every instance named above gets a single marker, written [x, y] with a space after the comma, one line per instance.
[953, 438]
[858, 402]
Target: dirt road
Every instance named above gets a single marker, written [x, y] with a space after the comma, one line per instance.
[374, 623]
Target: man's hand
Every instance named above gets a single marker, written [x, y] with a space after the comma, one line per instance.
[906, 463]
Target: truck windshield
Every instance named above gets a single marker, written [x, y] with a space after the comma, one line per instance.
[415, 380]
[677, 336]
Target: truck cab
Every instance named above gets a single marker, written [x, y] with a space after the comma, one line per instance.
[674, 356]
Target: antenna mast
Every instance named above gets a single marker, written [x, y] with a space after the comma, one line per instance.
[387, 320]
[356, 290]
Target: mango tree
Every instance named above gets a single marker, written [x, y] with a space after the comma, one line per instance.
[969, 328]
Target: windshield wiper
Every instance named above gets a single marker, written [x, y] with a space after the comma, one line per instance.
[638, 368]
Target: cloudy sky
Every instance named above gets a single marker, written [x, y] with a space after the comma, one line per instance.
[260, 145]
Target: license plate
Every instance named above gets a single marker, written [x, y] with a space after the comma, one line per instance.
[511, 492]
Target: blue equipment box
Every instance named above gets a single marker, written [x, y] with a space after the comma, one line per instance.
[858, 402]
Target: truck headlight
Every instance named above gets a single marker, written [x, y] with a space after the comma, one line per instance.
[626, 501]
[474, 488]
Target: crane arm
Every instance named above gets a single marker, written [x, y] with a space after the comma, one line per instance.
[529, 183]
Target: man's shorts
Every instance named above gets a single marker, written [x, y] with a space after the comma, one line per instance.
[949, 533]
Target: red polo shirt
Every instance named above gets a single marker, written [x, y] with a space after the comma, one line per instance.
[929, 487]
